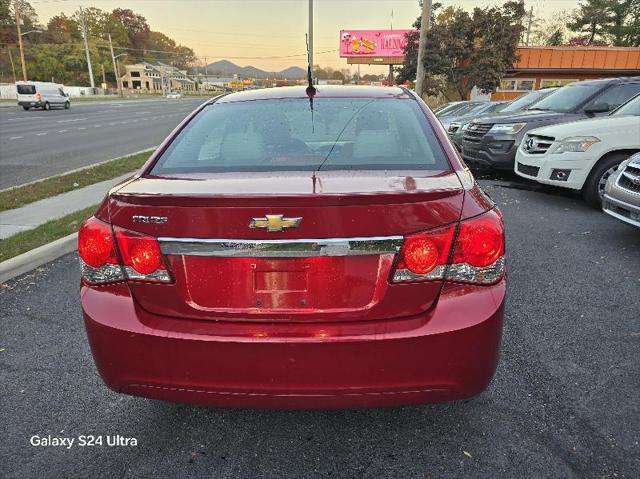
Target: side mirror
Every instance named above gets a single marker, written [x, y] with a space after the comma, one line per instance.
[597, 108]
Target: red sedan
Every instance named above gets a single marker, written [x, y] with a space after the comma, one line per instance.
[282, 250]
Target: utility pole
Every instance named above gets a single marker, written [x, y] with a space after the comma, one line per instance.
[422, 46]
[115, 66]
[13, 68]
[311, 37]
[529, 27]
[16, 7]
[86, 47]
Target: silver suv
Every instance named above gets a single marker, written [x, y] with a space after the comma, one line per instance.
[622, 192]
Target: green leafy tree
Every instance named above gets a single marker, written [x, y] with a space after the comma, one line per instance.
[624, 29]
[466, 50]
[62, 29]
[592, 18]
[28, 19]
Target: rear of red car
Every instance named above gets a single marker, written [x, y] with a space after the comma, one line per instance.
[277, 252]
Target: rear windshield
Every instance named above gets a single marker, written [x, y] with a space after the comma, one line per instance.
[272, 135]
[26, 89]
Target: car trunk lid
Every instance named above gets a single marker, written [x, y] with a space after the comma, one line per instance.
[230, 260]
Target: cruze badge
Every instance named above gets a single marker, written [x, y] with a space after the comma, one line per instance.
[274, 223]
[158, 220]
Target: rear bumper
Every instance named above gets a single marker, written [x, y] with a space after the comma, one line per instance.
[32, 104]
[448, 353]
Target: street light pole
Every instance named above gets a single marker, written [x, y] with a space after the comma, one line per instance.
[115, 66]
[422, 46]
[16, 7]
[86, 47]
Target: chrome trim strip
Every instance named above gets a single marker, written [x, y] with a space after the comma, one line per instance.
[623, 204]
[294, 248]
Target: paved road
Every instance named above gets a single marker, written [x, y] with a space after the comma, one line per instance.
[35, 144]
[564, 402]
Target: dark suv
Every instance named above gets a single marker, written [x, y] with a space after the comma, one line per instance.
[493, 141]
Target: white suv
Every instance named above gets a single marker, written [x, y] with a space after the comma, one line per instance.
[581, 155]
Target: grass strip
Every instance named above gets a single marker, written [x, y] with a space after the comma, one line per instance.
[22, 195]
[43, 234]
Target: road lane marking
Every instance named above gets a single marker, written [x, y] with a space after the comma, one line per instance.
[73, 119]
[40, 134]
[62, 131]
[15, 137]
[81, 128]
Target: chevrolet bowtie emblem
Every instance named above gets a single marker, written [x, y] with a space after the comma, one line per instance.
[274, 223]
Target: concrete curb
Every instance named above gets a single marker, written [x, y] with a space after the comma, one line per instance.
[37, 257]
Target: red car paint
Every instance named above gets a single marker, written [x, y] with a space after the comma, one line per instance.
[313, 331]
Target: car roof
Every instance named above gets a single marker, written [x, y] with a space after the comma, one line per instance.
[608, 80]
[322, 91]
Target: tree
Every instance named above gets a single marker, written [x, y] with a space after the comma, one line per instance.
[551, 29]
[555, 39]
[62, 29]
[593, 18]
[624, 30]
[337, 75]
[28, 19]
[466, 50]
[136, 26]
[60, 50]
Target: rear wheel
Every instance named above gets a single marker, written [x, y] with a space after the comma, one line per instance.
[47, 106]
[67, 105]
[593, 189]
[26, 108]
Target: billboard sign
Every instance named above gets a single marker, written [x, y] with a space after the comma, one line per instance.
[379, 43]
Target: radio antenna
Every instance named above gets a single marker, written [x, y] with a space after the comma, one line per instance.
[311, 90]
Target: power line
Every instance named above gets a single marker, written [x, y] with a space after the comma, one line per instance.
[147, 50]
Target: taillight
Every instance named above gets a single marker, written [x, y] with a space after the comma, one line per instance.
[424, 255]
[97, 251]
[139, 259]
[141, 256]
[477, 255]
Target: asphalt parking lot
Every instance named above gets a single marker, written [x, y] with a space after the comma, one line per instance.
[565, 401]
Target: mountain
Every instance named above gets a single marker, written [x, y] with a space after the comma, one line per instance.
[227, 68]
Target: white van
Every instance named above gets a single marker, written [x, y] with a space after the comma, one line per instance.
[45, 95]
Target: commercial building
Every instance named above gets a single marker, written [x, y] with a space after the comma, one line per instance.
[156, 77]
[543, 67]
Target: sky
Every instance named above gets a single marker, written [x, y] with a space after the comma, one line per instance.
[270, 34]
